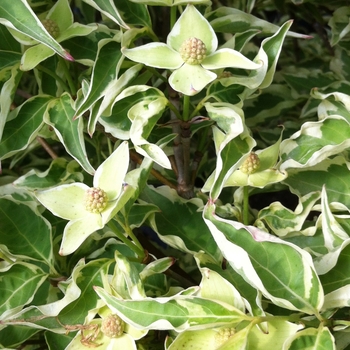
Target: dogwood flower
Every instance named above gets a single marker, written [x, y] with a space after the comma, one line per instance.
[108, 331]
[89, 209]
[259, 169]
[59, 23]
[191, 52]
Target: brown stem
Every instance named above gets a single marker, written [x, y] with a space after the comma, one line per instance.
[46, 147]
[138, 159]
[185, 185]
[181, 151]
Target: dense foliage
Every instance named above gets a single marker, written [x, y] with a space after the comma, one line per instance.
[174, 175]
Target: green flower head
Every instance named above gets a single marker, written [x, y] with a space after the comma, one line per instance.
[89, 209]
[191, 52]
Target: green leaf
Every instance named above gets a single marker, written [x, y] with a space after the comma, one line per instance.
[12, 337]
[19, 16]
[335, 102]
[314, 142]
[282, 271]
[8, 43]
[25, 123]
[311, 339]
[12, 75]
[118, 123]
[283, 221]
[127, 278]
[225, 93]
[144, 116]
[232, 142]
[269, 105]
[178, 312]
[334, 268]
[251, 296]
[197, 340]
[85, 276]
[170, 2]
[84, 48]
[38, 53]
[19, 282]
[157, 266]
[333, 233]
[181, 233]
[339, 24]
[275, 336]
[331, 173]
[134, 13]
[52, 339]
[59, 115]
[232, 20]
[270, 52]
[105, 105]
[60, 172]
[109, 9]
[215, 287]
[28, 237]
[105, 71]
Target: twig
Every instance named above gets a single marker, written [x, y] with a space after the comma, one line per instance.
[47, 148]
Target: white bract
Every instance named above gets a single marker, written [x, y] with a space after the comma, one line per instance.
[189, 76]
[72, 201]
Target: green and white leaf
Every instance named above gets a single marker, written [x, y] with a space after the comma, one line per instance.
[10, 69]
[105, 72]
[282, 271]
[331, 173]
[19, 283]
[143, 116]
[178, 312]
[315, 142]
[284, 221]
[339, 24]
[232, 142]
[311, 339]
[108, 8]
[182, 233]
[215, 287]
[28, 238]
[12, 14]
[23, 125]
[59, 172]
[60, 116]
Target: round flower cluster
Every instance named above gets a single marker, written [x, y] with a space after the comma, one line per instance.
[52, 27]
[112, 326]
[193, 51]
[223, 335]
[95, 200]
[251, 164]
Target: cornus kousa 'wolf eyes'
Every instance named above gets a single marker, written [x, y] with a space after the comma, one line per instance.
[191, 53]
[89, 209]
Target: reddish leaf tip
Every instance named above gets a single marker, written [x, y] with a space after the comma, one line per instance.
[68, 56]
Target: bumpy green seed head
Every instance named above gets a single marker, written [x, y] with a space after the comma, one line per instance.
[95, 200]
[225, 74]
[52, 27]
[251, 164]
[112, 326]
[193, 51]
[223, 335]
